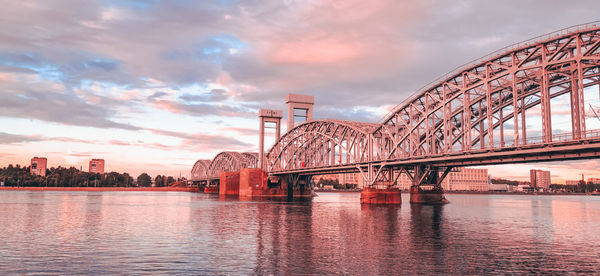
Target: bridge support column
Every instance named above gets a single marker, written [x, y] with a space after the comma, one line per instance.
[427, 185]
[382, 190]
[302, 103]
[229, 184]
[298, 186]
[212, 187]
[380, 196]
[267, 116]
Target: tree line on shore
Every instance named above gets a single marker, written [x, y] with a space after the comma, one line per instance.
[72, 177]
[581, 187]
[335, 184]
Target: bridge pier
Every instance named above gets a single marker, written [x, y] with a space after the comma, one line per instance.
[381, 196]
[212, 187]
[254, 183]
[427, 185]
[229, 184]
[297, 186]
[421, 195]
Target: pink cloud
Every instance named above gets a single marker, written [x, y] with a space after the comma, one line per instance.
[317, 51]
[119, 143]
[241, 131]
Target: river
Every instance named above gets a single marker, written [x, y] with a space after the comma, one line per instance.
[60, 232]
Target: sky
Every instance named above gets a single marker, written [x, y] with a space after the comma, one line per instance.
[153, 86]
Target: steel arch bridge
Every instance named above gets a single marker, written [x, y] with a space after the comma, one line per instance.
[227, 161]
[479, 114]
[200, 169]
[321, 144]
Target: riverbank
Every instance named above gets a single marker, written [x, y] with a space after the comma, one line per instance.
[511, 193]
[465, 192]
[101, 189]
[338, 191]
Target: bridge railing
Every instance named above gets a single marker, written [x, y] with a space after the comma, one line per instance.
[561, 137]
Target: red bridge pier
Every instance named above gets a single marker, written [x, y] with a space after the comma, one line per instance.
[423, 195]
[254, 183]
[381, 196]
[229, 184]
[427, 185]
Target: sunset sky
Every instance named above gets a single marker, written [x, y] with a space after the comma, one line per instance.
[152, 86]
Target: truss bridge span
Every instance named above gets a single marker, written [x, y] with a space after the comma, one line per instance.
[500, 109]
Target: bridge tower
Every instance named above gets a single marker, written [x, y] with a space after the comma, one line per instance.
[299, 103]
[267, 116]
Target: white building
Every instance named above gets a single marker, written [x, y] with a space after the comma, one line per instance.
[499, 187]
[354, 179]
[465, 179]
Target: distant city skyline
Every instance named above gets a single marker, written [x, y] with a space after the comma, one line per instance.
[154, 86]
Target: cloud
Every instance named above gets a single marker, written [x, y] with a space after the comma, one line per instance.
[240, 131]
[24, 97]
[215, 95]
[60, 108]
[357, 113]
[204, 142]
[7, 138]
[79, 154]
[203, 109]
[15, 69]
[157, 95]
[344, 52]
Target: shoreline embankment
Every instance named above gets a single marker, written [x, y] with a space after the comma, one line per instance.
[102, 189]
[469, 192]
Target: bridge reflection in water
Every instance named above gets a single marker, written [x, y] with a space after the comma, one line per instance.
[499, 109]
[329, 237]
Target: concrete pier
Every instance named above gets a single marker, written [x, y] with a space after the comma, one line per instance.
[229, 183]
[419, 195]
[381, 196]
[253, 183]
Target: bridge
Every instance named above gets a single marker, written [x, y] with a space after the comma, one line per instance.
[481, 113]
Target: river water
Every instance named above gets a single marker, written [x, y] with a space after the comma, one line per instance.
[193, 233]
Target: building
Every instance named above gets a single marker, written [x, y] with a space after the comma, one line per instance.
[572, 182]
[593, 180]
[351, 180]
[97, 166]
[525, 188]
[499, 187]
[540, 179]
[38, 166]
[465, 179]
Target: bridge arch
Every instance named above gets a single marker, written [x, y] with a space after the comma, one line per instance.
[320, 143]
[486, 104]
[200, 169]
[229, 161]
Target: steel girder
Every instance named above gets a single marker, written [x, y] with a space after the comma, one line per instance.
[484, 106]
[200, 169]
[324, 143]
[229, 161]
